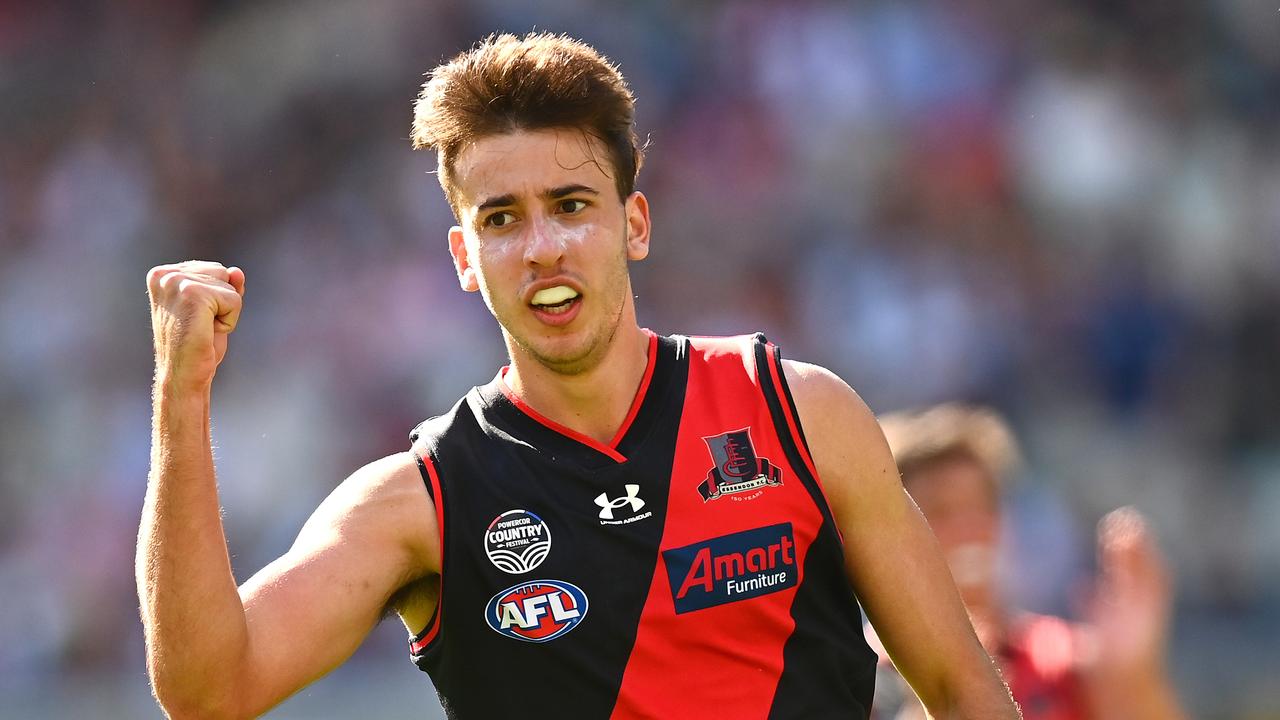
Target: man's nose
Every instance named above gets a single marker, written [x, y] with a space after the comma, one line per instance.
[544, 246]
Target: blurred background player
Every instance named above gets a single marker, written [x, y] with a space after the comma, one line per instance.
[955, 462]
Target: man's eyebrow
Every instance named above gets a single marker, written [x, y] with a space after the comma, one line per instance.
[499, 201]
[564, 190]
[554, 193]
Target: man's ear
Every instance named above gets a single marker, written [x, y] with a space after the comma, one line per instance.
[467, 277]
[637, 210]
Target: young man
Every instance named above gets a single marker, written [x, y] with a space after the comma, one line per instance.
[619, 524]
[954, 462]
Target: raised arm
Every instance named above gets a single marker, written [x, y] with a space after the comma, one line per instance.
[215, 651]
[891, 557]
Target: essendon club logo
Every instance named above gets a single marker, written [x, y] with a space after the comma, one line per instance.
[737, 469]
[730, 568]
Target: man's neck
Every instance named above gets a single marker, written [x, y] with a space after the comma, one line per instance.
[594, 402]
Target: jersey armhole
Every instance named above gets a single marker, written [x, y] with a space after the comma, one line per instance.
[421, 642]
[786, 422]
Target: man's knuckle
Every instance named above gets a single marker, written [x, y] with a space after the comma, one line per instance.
[169, 281]
[156, 276]
[205, 267]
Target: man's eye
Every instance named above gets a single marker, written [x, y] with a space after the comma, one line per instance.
[572, 206]
[499, 219]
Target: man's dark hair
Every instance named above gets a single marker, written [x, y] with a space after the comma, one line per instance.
[541, 81]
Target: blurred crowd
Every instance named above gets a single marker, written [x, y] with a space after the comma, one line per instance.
[1067, 210]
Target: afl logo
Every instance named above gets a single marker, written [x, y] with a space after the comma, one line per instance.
[537, 611]
[517, 541]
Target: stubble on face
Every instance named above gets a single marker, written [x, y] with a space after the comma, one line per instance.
[591, 351]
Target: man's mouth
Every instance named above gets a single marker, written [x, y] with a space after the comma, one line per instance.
[555, 300]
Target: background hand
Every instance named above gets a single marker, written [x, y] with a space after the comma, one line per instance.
[1129, 612]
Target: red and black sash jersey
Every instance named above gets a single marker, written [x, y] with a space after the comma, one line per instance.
[689, 568]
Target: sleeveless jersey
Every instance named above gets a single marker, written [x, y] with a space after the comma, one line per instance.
[690, 568]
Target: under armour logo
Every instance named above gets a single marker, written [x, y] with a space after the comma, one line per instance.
[607, 506]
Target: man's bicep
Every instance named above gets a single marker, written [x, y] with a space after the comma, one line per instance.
[891, 557]
[310, 609]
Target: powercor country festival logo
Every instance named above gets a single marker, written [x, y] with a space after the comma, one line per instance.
[517, 541]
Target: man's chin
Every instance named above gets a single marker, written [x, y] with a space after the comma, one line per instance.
[570, 350]
[569, 354]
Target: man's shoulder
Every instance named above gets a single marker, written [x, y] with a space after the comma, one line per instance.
[840, 429]
[799, 376]
[819, 393]
[821, 398]
[387, 482]
[427, 435]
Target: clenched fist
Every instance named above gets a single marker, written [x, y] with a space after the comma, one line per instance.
[194, 306]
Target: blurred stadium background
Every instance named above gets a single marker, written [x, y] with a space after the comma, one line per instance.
[1069, 210]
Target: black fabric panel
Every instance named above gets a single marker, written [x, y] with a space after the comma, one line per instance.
[504, 416]
[424, 432]
[826, 660]
[787, 397]
[656, 427]
[828, 669]
[510, 419]
[763, 362]
[670, 374]
[486, 467]
[422, 470]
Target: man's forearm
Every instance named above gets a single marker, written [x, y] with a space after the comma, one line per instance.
[981, 695]
[986, 708]
[191, 611]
